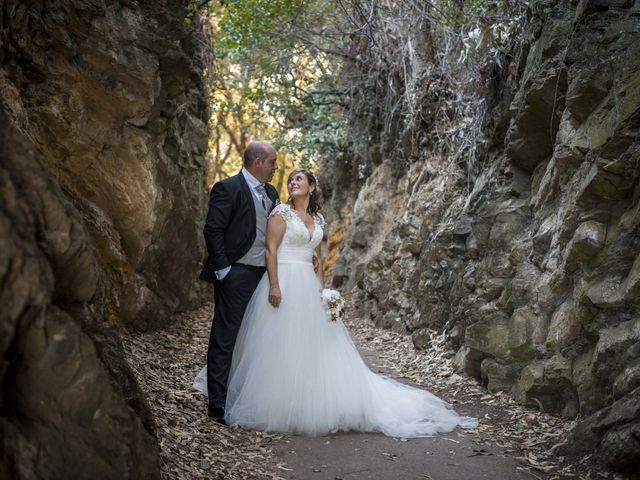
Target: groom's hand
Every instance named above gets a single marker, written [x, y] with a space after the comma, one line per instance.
[275, 297]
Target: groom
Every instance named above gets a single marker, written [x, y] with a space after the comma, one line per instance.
[235, 233]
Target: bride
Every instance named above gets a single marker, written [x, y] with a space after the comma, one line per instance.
[294, 370]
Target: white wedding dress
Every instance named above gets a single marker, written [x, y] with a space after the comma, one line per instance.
[294, 370]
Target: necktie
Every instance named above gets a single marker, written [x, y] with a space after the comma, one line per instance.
[263, 195]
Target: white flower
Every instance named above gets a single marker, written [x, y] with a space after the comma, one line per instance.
[333, 302]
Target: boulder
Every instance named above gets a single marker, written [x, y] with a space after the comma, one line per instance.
[498, 376]
[523, 287]
[613, 434]
[602, 124]
[489, 336]
[547, 385]
[462, 229]
[592, 394]
[532, 131]
[627, 381]
[566, 325]
[542, 237]
[620, 446]
[510, 218]
[513, 338]
[607, 292]
[617, 348]
[469, 360]
[586, 90]
[601, 185]
[586, 242]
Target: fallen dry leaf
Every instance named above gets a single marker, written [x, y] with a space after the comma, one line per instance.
[194, 447]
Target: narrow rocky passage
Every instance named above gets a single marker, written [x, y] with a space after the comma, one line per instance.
[511, 442]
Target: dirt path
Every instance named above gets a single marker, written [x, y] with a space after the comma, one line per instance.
[454, 456]
[510, 443]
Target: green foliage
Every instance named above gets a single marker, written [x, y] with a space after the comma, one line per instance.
[251, 28]
[346, 84]
[271, 74]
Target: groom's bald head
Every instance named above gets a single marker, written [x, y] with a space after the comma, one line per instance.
[260, 160]
[255, 150]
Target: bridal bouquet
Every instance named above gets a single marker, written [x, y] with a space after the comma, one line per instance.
[334, 303]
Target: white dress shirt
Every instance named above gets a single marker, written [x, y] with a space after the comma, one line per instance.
[252, 181]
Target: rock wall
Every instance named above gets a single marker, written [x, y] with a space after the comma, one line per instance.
[112, 95]
[534, 271]
[102, 182]
[70, 407]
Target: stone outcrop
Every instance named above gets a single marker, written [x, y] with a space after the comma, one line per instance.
[111, 95]
[612, 432]
[102, 181]
[534, 271]
[71, 407]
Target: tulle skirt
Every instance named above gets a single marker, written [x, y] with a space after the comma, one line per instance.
[294, 370]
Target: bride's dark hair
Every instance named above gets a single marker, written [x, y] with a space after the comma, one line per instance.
[314, 199]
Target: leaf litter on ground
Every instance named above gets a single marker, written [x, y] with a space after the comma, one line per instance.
[528, 435]
[192, 446]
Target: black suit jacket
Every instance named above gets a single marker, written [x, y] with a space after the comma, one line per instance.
[230, 228]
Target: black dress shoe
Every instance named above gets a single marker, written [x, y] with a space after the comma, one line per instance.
[217, 414]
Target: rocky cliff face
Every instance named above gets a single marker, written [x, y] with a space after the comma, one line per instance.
[110, 94]
[70, 406]
[534, 271]
[102, 141]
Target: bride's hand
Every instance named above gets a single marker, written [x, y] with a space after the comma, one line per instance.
[275, 297]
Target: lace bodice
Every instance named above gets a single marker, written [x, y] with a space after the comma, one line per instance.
[298, 243]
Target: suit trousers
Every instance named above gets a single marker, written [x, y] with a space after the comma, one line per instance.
[231, 296]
